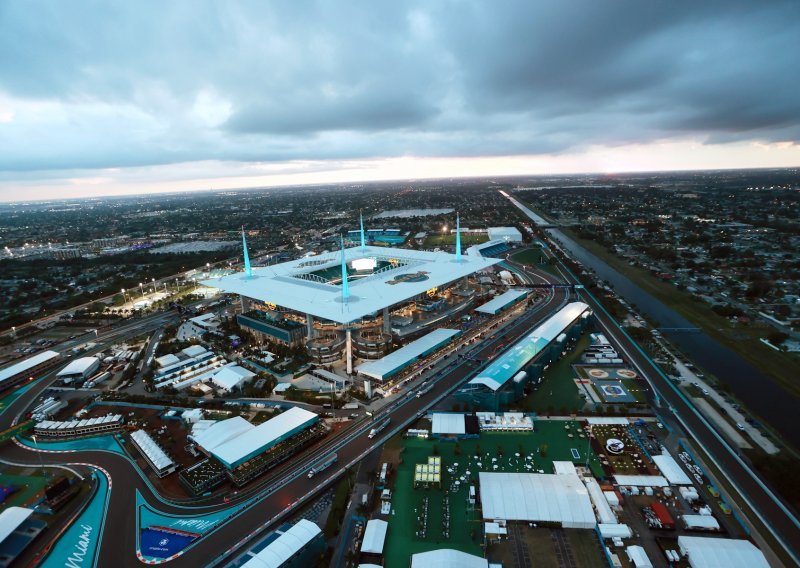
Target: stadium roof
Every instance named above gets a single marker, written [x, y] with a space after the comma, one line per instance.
[447, 558]
[280, 550]
[499, 302]
[511, 361]
[374, 536]
[538, 497]
[709, 552]
[29, 363]
[448, 423]
[79, 366]
[235, 440]
[397, 360]
[671, 470]
[284, 284]
[11, 519]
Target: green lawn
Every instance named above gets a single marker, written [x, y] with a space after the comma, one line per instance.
[450, 240]
[466, 528]
[558, 390]
[529, 256]
[28, 486]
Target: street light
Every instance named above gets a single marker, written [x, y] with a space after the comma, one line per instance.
[154, 285]
[141, 289]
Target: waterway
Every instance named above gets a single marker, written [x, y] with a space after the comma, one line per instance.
[758, 392]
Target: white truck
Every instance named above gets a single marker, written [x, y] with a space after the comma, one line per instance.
[374, 432]
[324, 464]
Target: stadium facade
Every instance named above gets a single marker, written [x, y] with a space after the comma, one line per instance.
[349, 301]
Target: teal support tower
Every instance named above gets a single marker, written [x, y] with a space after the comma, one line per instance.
[248, 271]
[345, 285]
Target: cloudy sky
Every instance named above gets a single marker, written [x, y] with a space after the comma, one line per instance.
[118, 97]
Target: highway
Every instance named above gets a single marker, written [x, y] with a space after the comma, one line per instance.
[772, 510]
[281, 490]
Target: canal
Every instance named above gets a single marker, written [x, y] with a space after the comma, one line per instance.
[759, 393]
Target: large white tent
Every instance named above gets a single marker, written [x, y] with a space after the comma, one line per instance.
[670, 469]
[447, 558]
[709, 552]
[536, 497]
[374, 536]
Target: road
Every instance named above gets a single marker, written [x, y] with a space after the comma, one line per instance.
[773, 511]
[282, 489]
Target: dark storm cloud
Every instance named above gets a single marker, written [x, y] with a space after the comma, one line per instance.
[98, 84]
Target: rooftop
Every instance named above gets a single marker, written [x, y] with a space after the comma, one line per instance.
[397, 360]
[709, 552]
[403, 274]
[279, 551]
[511, 361]
[499, 302]
[79, 366]
[28, 363]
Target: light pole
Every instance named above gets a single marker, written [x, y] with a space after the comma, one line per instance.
[141, 289]
[154, 285]
[38, 453]
[124, 295]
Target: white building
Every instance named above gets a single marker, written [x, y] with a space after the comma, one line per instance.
[232, 377]
[447, 558]
[510, 234]
[79, 370]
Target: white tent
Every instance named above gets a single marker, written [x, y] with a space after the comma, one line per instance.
[279, 551]
[642, 480]
[374, 536]
[614, 531]
[638, 557]
[448, 423]
[671, 470]
[604, 513]
[447, 558]
[710, 552]
[704, 522]
[536, 497]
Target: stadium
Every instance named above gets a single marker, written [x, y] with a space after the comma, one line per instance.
[352, 300]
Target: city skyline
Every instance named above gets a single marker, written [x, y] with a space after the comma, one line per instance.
[118, 100]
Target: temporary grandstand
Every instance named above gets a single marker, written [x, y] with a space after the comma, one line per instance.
[235, 441]
[503, 380]
[536, 497]
[27, 369]
[158, 459]
[290, 547]
[394, 362]
[17, 532]
[78, 428]
[503, 301]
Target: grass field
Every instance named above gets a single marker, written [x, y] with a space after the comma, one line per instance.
[465, 528]
[28, 486]
[450, 240]
[557, 391]
[532, 257]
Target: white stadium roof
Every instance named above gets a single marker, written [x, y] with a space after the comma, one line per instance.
[276, 553]
[447, 558]
[11, 519]
[448, 423]
[397, 360]
[28, 363]
[671, 470]
[536, 497]
[283, 284]
[374, 536]
[709, 552]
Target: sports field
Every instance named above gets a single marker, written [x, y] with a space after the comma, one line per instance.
[550, 441]
[450, 240]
